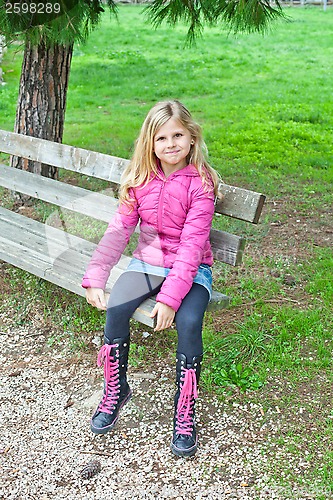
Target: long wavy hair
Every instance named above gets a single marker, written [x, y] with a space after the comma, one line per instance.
[144, 161]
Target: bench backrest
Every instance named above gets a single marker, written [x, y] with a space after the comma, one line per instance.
[237, 202]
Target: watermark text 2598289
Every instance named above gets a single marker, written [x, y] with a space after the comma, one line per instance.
[33, 8]
[27, 14]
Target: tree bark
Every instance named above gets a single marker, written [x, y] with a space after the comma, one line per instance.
[2, 49]
[42, 99]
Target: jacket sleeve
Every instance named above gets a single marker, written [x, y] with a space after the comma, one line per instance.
[193, 239]
[111, 246]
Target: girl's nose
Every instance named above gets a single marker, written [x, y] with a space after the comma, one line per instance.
[171, 142]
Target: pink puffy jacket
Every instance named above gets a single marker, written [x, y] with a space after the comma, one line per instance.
[175, 216]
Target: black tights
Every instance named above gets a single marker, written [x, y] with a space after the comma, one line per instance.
[133, 287]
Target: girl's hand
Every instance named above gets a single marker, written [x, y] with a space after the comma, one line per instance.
[96, 297]
[165, 316]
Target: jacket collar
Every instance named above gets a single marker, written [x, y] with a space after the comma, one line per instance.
[189, 171]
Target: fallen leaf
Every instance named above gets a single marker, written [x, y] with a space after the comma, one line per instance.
[68, 404]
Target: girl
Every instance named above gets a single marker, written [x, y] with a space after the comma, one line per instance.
[170, 188]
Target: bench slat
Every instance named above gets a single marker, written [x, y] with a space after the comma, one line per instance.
[238, 203]
[12, 221]
[51, 254]
[80, 200]
[226, 247]
[59, 155]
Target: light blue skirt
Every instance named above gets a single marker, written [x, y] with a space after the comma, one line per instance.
[203, 277]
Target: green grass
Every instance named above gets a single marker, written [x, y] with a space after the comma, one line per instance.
[267, 114]
[264, 102]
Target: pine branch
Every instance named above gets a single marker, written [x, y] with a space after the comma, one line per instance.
[237, 15]
[78, 18]
[248, 15]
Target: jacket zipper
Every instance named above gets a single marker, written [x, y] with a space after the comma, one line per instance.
[160, 209]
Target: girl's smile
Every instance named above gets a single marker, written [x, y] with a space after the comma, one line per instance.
[172, 144]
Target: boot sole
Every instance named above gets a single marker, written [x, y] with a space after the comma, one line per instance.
[108, 428]
[184, 453]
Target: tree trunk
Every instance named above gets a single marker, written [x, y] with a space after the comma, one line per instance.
[42, 99]
[2, 49]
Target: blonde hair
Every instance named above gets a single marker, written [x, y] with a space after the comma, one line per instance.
[143, 163]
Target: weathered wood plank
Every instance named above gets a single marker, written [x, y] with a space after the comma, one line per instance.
[97, 205]
[51, 254]
[238, 203]
[41, 233]
[52, 247]
[79, 160]
[58, 272]
[218, 301]
[226, 247]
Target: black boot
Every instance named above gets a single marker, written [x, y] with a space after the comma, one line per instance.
[116, 389]
[184, 442]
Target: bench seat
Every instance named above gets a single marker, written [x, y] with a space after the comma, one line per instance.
[62, 258]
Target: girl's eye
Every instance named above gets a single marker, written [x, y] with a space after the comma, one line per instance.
[179, 135]
[159, 139]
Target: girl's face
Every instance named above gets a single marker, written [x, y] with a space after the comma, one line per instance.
[172, 144]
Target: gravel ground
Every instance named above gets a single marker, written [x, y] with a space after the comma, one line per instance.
[47, 397]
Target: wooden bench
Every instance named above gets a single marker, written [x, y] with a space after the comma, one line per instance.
[60, 257]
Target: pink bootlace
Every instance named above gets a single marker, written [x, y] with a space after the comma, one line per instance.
[111, 377]
[185, 404]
